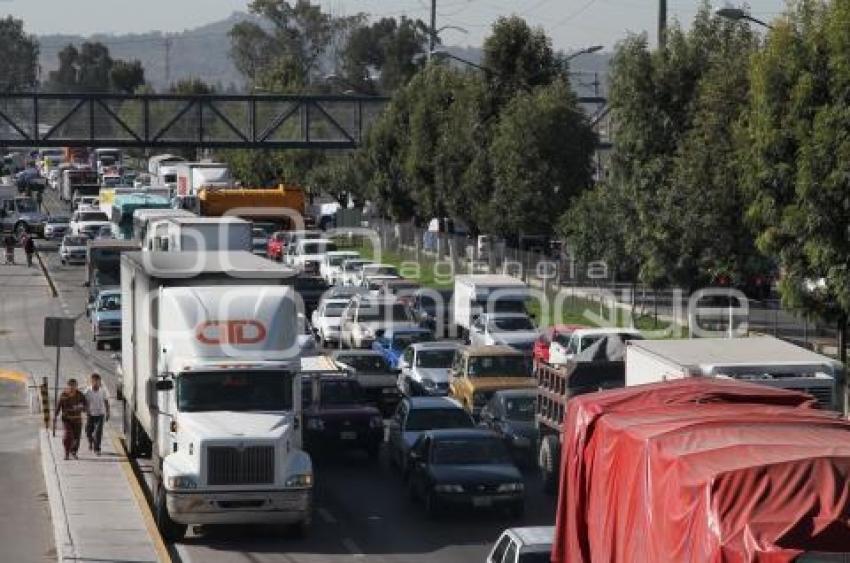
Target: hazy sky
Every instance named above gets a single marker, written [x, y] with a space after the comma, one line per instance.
[571, 23]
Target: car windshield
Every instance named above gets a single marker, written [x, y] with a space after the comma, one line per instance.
[58, 220]
[334, 310]
[504, 305]
[420, 420]
[234, 391]
[86, 216]
[435, 358]
[511, 323]
[317, 247]
[365, 363]
[382, 271]
[75, 241]
[340, 393]
[469, 451]
[562, 339]
[26, 205]
[354, 266]
[371, 312]
[519, 408]
[337, 260]
[110, 302]
[405, 339]
[103, 279]
[258, 233]
[498, 366]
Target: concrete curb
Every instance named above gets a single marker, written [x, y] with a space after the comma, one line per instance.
[44, 271]
[65, 549]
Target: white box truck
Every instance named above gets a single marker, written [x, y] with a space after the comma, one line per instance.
[192, 176]
[210, 379]
[211, 234]
[761, 359]
[495, 293]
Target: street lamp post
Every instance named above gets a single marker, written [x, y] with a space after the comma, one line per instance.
[737, 14]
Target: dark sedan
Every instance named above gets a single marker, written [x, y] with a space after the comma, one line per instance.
[510, 414]
[464, 468]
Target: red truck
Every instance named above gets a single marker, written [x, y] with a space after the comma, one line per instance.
[702, 470]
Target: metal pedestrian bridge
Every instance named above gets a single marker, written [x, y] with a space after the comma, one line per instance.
[186, 121]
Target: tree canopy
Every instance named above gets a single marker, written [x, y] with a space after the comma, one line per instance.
[19, 63]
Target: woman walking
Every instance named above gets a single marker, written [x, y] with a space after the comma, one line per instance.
[72, 405]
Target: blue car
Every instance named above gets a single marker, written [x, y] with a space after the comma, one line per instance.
[392, 342]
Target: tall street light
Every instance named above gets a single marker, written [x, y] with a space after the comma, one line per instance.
[737, 14]
[585, 51]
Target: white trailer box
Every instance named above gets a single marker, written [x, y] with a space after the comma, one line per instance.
[142, 218]
[156, 162]
[761, 359]
[209, 366]
[211, 234]
[192, 176]
[491, 292]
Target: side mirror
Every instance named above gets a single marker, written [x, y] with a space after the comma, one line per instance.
[165, 384]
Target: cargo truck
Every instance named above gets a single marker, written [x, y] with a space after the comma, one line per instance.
[278, 206]
[144, 217]
[199, 233]
[211, 387]
[491, 293]
[78, 182]
[191, 177]
[763, 359]
[124, 206]
[703, 469]
[103, 264]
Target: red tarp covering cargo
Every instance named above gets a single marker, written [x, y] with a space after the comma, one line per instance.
[701, 470]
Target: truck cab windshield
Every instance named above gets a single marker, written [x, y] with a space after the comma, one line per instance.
[234, 391]
[499, 366]
[26, 205]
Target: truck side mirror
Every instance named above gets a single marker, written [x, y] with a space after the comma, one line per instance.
[164, 385]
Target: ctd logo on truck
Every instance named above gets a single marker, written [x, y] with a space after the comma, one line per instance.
[231, 332]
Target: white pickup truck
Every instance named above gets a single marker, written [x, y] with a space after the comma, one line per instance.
[210, 375]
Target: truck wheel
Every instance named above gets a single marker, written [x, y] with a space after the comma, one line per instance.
[168, 528]
[432, 506]
[373, 450]
[548, 462]
[301, 530]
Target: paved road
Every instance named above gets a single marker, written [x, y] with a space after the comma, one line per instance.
[26, 535]
[362, 507]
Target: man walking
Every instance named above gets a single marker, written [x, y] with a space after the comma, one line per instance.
[29, 248]
[97, 407]
[71, 405]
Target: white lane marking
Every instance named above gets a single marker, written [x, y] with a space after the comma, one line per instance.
[352, 548]
[326, 516]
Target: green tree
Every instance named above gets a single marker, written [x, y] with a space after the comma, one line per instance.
[799, 157]
[392, 49]
[541, 155]
[519, 58]
[94, 65]
[127, 76]
[19, 63]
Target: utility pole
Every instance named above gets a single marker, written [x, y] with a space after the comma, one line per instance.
[167, 62]
[432, 36]
[662, 24]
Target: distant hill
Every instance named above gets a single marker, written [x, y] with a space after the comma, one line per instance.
[204, 52]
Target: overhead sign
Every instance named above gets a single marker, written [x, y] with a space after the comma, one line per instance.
[59, 332]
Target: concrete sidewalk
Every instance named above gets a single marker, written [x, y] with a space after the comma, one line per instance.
[96, 504]
[97, 509]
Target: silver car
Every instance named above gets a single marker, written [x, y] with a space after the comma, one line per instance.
[73, 249]
[425, 368]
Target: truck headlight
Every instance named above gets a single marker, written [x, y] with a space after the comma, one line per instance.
[448, 488]
[302, 480]
[315, 424]
[376, 422]
[182, 482]
[511, 488]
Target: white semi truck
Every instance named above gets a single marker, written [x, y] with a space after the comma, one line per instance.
[210, 382]
[761, 359]
[493, 293]
[192, 176]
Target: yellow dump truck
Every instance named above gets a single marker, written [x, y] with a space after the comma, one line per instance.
[276, 205]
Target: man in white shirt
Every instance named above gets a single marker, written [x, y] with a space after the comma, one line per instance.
[97, 408]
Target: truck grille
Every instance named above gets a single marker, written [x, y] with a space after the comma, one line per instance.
[227, 465]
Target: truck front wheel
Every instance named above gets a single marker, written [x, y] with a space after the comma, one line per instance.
[548, 462]
[169, 529]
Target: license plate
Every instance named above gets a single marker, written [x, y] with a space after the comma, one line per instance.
[482, 501]
[348, 435]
